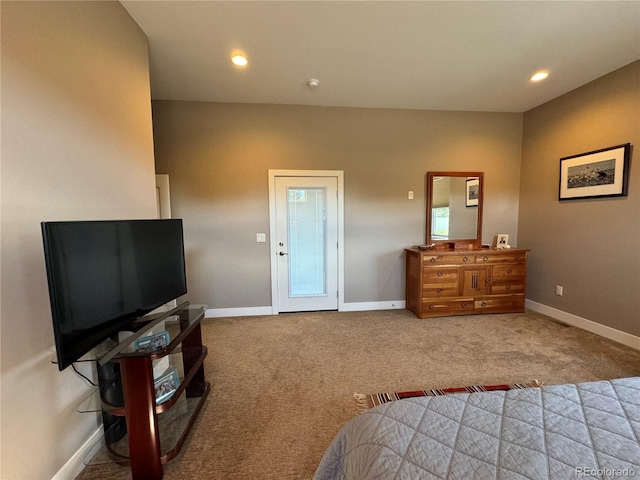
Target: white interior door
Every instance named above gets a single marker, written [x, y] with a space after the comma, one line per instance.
[306, 243]
[163, 198]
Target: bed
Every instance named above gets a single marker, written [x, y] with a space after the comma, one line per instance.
[584, 430]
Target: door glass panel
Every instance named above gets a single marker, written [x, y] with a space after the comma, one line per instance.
[306, 215]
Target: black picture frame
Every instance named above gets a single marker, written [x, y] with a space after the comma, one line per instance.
[473, 192]
[596, 174]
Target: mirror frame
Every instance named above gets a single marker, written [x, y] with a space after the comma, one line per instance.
[455, 243]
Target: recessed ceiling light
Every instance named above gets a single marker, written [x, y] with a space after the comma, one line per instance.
[539, 76]
[239, 60]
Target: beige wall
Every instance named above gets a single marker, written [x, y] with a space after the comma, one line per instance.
[76, 144]
[592, 246]
[218, 155]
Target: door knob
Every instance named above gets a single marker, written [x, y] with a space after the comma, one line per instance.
[282, 254]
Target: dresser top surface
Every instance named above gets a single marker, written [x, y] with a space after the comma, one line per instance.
[462, 251]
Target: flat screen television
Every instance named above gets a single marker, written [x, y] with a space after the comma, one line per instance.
[103, 275]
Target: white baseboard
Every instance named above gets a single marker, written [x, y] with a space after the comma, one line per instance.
[362, 306]
[237, 312]
[589, 325]
[268, 310]
[75, 465]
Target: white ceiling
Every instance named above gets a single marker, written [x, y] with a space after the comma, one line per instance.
[434, 55]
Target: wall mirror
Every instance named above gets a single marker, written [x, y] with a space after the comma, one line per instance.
[454, 209]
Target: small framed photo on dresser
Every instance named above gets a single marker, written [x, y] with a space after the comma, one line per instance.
[502, 240]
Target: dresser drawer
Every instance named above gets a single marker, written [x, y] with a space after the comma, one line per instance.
[432, 276]
[503, 288]
[513, 303]
[509, 272]
[436, 259]
[444, 290]
[502, 258]
[436, 308]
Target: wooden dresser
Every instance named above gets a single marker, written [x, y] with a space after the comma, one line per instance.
[466, 281]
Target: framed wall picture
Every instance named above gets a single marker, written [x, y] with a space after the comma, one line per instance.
[601, 173]
[473, 192]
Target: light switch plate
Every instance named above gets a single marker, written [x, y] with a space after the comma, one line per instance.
[261, 237]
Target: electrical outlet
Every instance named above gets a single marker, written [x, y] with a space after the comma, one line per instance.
[559, 290]
[410, 195]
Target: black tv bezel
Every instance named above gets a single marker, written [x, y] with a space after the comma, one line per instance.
[108, 328]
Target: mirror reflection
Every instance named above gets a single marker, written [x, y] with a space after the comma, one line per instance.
[454, 207]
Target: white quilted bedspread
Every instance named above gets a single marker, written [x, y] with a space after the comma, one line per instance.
[585, 430]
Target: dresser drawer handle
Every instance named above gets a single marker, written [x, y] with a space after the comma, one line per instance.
[483, 304]
[431, 307]
[485, 259]
[509, 271]
[465, 259]
[432, 260]
[439, 274]
[464, 304]
[439, 290]
[508, 287]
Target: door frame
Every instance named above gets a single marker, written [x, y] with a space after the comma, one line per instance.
[339, 175]
[163, 197]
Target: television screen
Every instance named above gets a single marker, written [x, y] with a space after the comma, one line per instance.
[103, 275]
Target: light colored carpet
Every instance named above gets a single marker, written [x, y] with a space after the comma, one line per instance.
[282, 386]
